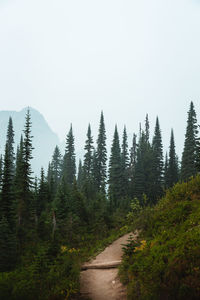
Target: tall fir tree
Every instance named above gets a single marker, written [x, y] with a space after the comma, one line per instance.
[166, 166]
[80, 175]
[115, 172]
[27, 153]
[56, 167]
[69, 161]
[19, 183]
[132, 165]
[8, 205]
[10, 142]
[101, 157]
[88, 154]
[190, 152]
[172, 171]
[157, 163]
[125, 164]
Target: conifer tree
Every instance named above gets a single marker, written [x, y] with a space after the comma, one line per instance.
[27, 154]
[115, 172]
[125, 165]
[7, 195]
[19, 182]
[80, 175]
[42, 202]
[101, 157]
[10, 142]
[172, 171]
[88, 155]
[157, 163]
[190, 151]
[69, 162]
[56, 166]
[132, 166]
[166, 165]
[147, 128]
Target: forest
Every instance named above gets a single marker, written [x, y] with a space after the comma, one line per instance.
[51, 224]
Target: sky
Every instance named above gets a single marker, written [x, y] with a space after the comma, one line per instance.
[70, 59]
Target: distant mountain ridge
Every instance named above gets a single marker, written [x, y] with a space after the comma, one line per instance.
[44, 139]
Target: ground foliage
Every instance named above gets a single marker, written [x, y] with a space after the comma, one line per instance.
[164, 263]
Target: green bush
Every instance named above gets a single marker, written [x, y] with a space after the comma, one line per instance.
[43, 278]
[166, 263]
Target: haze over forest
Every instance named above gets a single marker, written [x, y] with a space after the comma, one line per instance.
[127, 58]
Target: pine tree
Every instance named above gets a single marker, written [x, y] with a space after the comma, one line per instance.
[132, 166]
[125, 165]
[190, 152]
[157, 163]
[88, 155]
[8, 209]
[27, 154]
[147, 128]
[80, 175]
[10, 142]
[172, 171]
[101, 157]
[69, 162]
[56, 167]
[166, 166]
[115, 172]
[19, 182]
[42, 203]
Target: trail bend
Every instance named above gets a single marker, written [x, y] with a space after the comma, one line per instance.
[99, 278]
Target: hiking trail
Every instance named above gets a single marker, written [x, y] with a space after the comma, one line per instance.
[99, 277]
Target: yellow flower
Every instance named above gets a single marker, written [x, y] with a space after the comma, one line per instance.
[141, 247]
[63, 249]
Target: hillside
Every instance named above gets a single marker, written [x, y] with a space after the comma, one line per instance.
[44, 139]
[164, 264]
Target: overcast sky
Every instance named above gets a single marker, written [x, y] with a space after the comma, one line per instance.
[70, 59]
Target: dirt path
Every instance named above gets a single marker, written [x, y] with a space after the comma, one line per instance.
[103, 284]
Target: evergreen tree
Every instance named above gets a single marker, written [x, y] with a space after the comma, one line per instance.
[27, 154]
[69, 163]
[143, 170]
[19, 182]
[101, 157]
[166, 166]
[42, 202]
[125, 165]
[157, 163]
[132, 166]
[172, 171]
[190, 152]
[10, 142]
[56, 167]
[88, 155]
[80, 175]
[115, 172]
[7, 195]
[147, 128]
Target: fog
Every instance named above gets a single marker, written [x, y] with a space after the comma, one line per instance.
[72, 59]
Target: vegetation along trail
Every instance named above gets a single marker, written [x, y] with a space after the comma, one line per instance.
[99, 278]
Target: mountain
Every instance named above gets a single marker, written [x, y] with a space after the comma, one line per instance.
[44, 139]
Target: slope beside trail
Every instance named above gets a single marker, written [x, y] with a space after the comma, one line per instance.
[104, 284]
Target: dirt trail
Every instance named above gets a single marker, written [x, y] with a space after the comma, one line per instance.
[103, 284]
